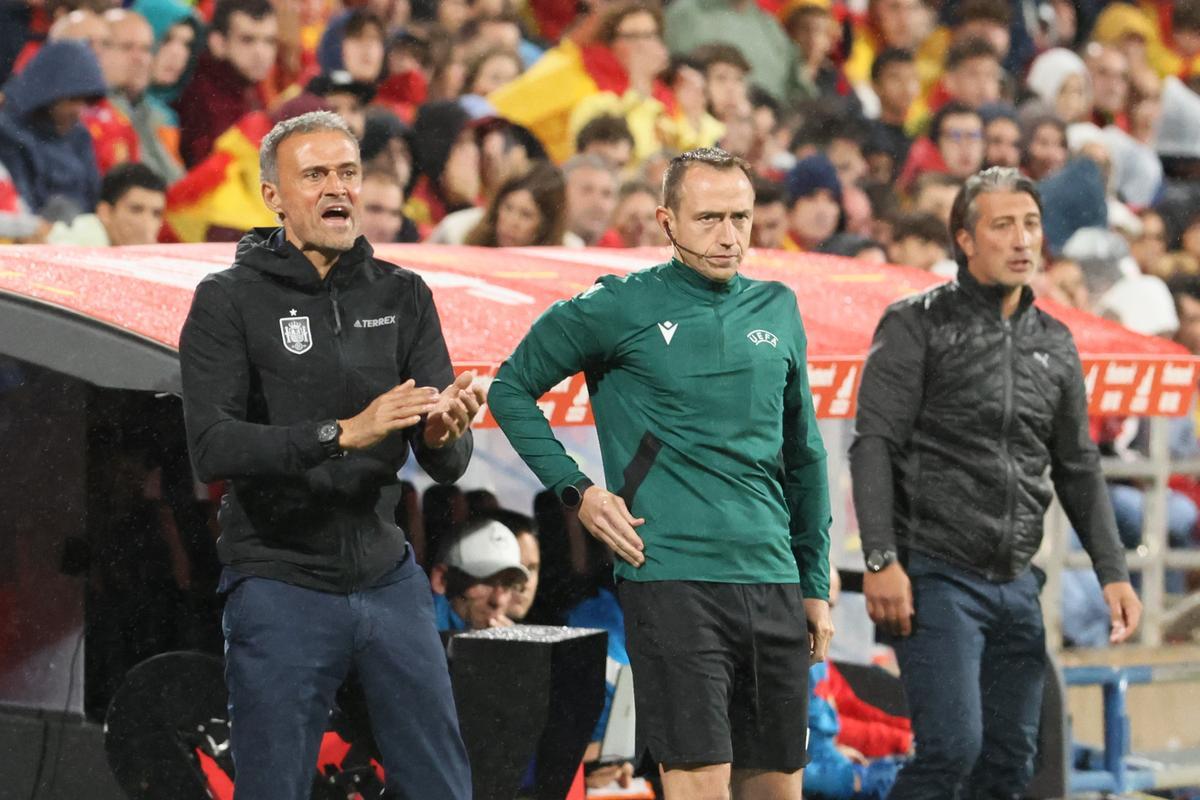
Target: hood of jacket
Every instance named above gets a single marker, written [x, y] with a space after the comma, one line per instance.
[268, 251]
[60, 70]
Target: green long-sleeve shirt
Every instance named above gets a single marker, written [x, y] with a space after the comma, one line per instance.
[706, 424]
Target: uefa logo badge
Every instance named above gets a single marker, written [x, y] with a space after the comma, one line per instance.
[760, 336]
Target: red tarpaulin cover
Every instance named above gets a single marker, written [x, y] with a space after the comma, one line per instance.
[487, 299]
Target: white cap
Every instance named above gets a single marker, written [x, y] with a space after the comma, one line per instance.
[484, 551]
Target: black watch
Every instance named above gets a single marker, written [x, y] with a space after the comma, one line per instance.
[572, 494]
[328, 434]
[879, 560]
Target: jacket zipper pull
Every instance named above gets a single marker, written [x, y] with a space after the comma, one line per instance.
[337, 315]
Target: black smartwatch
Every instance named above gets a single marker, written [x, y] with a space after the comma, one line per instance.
[572, 494]
[879, 560]
[328, 434]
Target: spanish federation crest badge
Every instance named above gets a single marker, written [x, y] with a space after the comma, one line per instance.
[297, 334]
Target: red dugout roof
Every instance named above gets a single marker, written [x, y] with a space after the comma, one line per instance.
[113, 316]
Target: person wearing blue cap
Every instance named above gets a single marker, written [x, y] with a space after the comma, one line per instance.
[815, 199]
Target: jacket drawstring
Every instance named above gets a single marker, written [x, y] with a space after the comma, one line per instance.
[337, 314]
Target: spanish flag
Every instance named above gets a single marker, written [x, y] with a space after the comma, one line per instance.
[570, 85]
[220, 199]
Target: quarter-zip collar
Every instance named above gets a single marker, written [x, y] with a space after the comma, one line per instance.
[267, 250]
[696, 285]
[991, 297]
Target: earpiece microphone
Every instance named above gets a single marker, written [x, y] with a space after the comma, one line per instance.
[677, 245]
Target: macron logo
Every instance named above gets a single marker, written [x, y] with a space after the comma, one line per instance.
[378, 322]
[759, 336]
[667, 329]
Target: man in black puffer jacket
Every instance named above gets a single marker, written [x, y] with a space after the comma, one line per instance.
[310, 369]
[970, 393]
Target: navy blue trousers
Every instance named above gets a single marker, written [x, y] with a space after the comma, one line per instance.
[973, 671]
[288, 649]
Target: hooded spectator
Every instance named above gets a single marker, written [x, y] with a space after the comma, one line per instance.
[1074, 197]
[354, 42]
[242, 45]
[447, 164]
[815, 195]
[43, 143]
[955, 146]
[177, 39]
[1060, 80]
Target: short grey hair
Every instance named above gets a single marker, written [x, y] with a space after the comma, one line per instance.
[312, 122]
[589, 161]
[965, 212]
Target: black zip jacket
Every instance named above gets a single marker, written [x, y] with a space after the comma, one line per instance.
[269, 350]
[960, 413]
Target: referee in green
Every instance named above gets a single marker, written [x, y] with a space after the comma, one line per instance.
[720, 505]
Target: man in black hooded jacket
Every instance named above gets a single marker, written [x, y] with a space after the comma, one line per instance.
[310, 369]
[969, 395]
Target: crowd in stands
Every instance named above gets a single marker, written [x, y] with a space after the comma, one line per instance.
[504, 123]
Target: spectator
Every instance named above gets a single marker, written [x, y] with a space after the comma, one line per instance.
[1059, 79]
[176, 39]
[447, 163]
[815, 32]
[382, 202]
[694, 125]
[955, 145]
[1001, 137]
[1149, 244]
[609, 137]
[531, 558]
[843, 731]
[591, 184]
[346, 96]
[491, 69]
[242, 44]
[851, 245]
[17, 223]
[1108, 70]
[816, 203]
[113, 136]
[42, 141]
[615, 74]
[353, 42]
[958, 133]
[934, 193]
[130, 211]
[743, 25]
[1044, 147]
[894, 79]
[221, 198]
[888, 24]
[725, 79]
[922, 241]
[475, 577]
[157, 134]
[634, 223]
[529, 210]
[386, 144]
[973, 73]
[770, 227]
